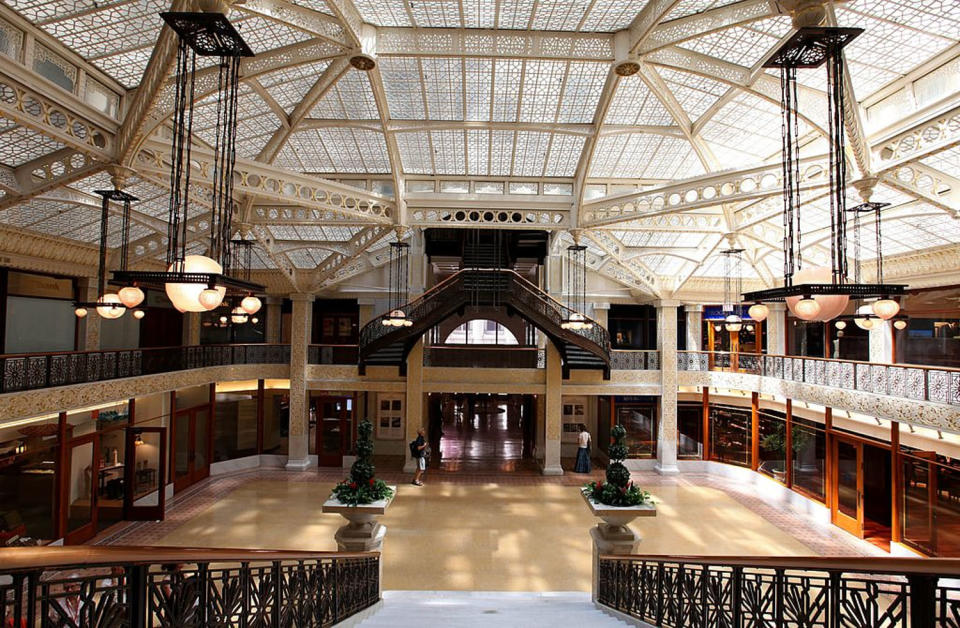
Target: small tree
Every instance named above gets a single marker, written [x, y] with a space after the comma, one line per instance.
[618, 490]
[362, 487]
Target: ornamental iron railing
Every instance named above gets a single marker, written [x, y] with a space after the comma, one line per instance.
[621, 360]
[484, 287]
[45, 370]
[918, 383]
[688, 591]
[183, 588]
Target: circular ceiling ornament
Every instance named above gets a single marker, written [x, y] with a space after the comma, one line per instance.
[626, 68]
[362, 62]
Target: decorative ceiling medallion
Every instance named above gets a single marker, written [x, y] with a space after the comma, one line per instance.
[363, 63]
[627, 68]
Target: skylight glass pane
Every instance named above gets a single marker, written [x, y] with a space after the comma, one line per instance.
[479, 13]
[402, 85]
[515, 14]
[479, 83]
[634, 103]
[695, 93]
[742, 45]
[350, 98]
[529, 155]
[581, 93]
[436, 14]
[947, 162]
[448, 152]
[609, 16]
[384, 12]
[501, 152]
[415, 152]
[540, 94]
[290, 85]
[689, 7]
[559, 15]
[478, 152]
[19, 145]
[644, 156]
[506, 90]
[565, 151]
[746, 130]
[443, 83]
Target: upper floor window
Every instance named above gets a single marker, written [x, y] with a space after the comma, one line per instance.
[481, 332]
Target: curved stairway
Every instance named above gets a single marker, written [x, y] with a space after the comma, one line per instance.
[382, 345]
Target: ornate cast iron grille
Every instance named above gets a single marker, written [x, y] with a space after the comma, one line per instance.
[197, 589]
[781, 592]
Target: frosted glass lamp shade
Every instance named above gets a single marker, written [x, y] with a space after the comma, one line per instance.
[211, 298]
[250, 304]
[131, 296]
[81, 312]
[807, 309]
[841, 325]
[138, 314]
[186, 296]
[863, 320]
[886, 308]
[733, 323]
[759, 312]
[831, 305]
[901, 325]
[112, 307]
[238, 316]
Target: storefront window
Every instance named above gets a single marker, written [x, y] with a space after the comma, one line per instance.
[931, 504]
[28, 459]
[730, 434]
[809, 458]
[772, 430]
[690, 430]
[276, 422]
[235, 425]
[639, 417]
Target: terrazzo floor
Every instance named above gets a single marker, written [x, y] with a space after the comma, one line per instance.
[499, 532]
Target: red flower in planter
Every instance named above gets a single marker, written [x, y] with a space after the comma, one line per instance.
[353, 485]
[371, 481]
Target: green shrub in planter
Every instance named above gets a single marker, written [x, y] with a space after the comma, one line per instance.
[618, 490]
[362, 487]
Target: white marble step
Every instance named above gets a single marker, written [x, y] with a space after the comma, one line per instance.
[419, 609]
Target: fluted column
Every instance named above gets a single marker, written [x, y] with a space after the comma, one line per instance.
[301, 323]
[667, 344]
[881, 342]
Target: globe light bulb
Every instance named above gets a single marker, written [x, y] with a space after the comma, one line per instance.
[81, 312]
[901, 324]
[841, 325]
[186, 296]
[238, 316]
[138, 314]
[831, 305]
[223, 320]
[210, 298]
[759, 312]
[250, 304]
[807, 309]
[254, 320]
[112, 307]
[131, 296]
[886, 308]
[733, 323]
[863, 320]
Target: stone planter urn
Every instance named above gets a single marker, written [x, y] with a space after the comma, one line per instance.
[363, 533]
[614, 535]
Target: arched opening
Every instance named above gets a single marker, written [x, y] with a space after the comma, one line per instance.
[481, 331]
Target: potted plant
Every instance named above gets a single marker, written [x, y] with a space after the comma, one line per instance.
[617, 501]
[360, 499]
[776, 443]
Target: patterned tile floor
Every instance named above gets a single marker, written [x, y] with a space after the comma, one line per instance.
[494, 531]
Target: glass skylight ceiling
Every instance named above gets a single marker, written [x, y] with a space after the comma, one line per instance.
[472, 116]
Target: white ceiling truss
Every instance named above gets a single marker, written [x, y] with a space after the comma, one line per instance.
[484, 114]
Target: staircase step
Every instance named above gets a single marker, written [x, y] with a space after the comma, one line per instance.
[417, 609]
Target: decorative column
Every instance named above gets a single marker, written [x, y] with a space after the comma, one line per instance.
[413, 403]
[881, 342]
[301, 324]
[191, 328]
[667, 344]
[601, 313]
[694, 314]
[88, 331]
[552, 413]
[776, 329]
[366, 307]
[274, 318]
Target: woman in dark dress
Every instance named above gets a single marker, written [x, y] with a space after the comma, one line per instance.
[583, 452]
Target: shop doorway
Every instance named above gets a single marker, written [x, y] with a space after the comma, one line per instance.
[862, 495]
[332, 431]
[191, 447]
[79, 514]
[144, 473]
[481, 432]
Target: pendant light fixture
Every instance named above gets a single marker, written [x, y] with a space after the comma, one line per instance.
[732, 288]
[109, 305]
[816, 293]
[199, 283]
[398, 278]
[576, 289]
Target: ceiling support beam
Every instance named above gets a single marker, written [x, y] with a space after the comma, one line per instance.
[316, 23]
[614, 249]
[45, 174]
[356, 248]
[926, 136]
[928, 185]
[711, 20]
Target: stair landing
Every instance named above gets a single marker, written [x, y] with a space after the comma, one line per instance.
[419, 609]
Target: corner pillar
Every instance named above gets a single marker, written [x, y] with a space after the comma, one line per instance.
[601, 312]
[552, 413]
[413, 403]
[667, 344]
[881, 342]
[88, 331]
[777, 329]
[694, 314]
[301, 323]
[191, 329]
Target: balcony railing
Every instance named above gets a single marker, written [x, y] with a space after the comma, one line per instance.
[919, 383]
[161, 586]
[332, 354]
[45, 370]
[483, 357]
[778, 592]
[622, 360]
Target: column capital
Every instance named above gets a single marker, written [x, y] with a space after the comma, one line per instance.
[667, 303]
[777, 307]
[303, 298]
[274, 300]
[601, 306]
[693, 307]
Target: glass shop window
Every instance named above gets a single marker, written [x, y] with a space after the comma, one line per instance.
[28, 459]
[730, 434]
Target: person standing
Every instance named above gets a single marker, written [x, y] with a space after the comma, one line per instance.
[418, 449]
[583, 453]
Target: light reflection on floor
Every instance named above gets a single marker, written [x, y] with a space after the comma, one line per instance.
[495, 536]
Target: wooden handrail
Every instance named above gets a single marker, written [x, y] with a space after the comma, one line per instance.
[26, 558]
[905, 566]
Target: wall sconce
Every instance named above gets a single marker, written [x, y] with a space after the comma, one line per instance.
[21, 447]
[138, 440]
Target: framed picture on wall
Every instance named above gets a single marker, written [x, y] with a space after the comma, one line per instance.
[574, 413]
[390, 417]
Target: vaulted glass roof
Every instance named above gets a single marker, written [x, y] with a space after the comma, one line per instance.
[506, 112]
